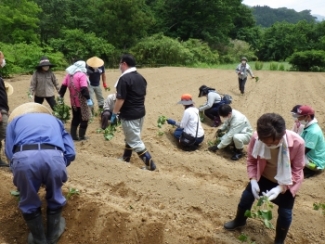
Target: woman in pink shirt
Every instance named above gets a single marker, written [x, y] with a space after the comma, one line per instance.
[275, 168]
[76, 81]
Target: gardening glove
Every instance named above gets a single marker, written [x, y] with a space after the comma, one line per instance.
[90, 102]
[273, 193]
[255, 188]
[171, 122]
[219, 133]
[113, 119]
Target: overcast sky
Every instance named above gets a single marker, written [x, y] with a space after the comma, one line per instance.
[316, 6]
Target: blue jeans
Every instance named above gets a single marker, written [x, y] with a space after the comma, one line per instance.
[178, 132]
[284, 201]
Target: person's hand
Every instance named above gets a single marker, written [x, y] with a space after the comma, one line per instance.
[255, 188]
[90, 102]
[219, 133]
[171, 122]
[273, 193]
[105, 87]
[113, 120]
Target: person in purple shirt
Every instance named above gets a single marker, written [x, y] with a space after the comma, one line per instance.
[39, 150]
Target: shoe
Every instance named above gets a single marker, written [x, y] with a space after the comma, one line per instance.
[35, 224]
[82, 133]
[213, 148]
[238, 153]
[146, 158]
[239, 221]
[127, 154]
[55, 225]
[73, 132]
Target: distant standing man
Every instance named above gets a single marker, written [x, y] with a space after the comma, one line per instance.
[5, 90]
[131, 91]
[39, 150]
[96, 70]
[242, 70]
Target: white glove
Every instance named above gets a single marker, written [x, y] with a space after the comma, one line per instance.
[273, 193]
[255, 189]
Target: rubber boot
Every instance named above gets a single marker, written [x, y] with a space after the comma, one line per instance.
[55, 225]
[238, 222]
[73, 132]
[213, 148]
[238, 153]
[127, 153]
[146, 158]
[35, 225]
[280, 234]
[82, 132]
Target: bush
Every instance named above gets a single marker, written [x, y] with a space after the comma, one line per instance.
[236, 50]
[274, 66]
[282, 68]
[22, 58]
[201, 52]
[311, 60]
[259, 65]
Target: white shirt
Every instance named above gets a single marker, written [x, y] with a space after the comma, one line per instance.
[189, 122]
[109, 102]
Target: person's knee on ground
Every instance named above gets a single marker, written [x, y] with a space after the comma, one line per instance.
[105, 117]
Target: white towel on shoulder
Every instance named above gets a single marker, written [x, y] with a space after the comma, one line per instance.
[125, 72]
[283, 174]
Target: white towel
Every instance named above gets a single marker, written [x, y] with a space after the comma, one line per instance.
[125, 72]
[283, 174]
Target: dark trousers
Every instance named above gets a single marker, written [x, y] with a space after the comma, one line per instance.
[242, 83]
[50, 101]
[77, 119]
[178, 132]
[212, 113]
[105, 117]
[284, 201]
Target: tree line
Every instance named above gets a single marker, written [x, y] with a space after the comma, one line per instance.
[169, 32]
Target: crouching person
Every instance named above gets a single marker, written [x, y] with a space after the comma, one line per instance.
[189, 133]
[236, 129]
[39, 150]
[107, 110]
[275, 168]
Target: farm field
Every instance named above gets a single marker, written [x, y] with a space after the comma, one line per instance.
[192, 194]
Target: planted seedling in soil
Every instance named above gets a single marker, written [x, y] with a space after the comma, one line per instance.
[160, 122]
[109, 132]
[72, 192]
[245, 238]
[262, 211]
[61, 110]
[319, 206]
[15, 194]
[201, 116]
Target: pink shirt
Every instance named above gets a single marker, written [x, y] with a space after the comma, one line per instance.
[79, 80]
[296, 144]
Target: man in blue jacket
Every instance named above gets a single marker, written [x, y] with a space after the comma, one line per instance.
[39, 150]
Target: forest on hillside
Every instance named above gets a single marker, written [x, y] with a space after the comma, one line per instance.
[168, 32]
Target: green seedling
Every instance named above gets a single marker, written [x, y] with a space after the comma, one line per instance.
[262, 211]
[160, 133]
[161, 120]
[30, 96]
[61, 110]
[110, 130]
[107, 89]
[202, 116]
[245, 238]
[72, 192]
[256, 78]
[15, 194]
[319, 206]
[214, 142]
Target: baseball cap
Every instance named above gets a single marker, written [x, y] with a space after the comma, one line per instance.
[186, 99]
[304, 110]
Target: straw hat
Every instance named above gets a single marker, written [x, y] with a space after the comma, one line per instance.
[95, 62]
[9, 88]
[28, 108]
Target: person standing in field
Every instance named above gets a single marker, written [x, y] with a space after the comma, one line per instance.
[96, 70]
[242, 70]
[131, 89]
[275, 166]
[39, 150]
[43, 83]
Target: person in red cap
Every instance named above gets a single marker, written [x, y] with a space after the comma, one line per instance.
[297, 126]
[189, 132]
[314, 141]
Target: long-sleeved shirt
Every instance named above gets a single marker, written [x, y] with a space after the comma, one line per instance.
[296, 145]
[43, 84]
[110, 102]
[212, 98]
[243, 71]
[237, 123]
[39, 128]
[190, 122]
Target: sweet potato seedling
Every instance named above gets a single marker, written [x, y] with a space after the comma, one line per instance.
[72, 192]
[319, 206]
[245, 238]
[61, 110]
[262, 211]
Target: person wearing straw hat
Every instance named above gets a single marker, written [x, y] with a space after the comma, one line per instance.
[189, 132]
[76, 81]
[5, 90]
[39, 150]
[242, 70]
[96, 70]
[43, 83]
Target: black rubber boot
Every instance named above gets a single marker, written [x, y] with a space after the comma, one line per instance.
[213, 148]
[146, 158]
[238, 222]
[82, 133]
[55, 225]
[73, 132]
[238, 153]
[280, 234]
[127, 153]
[35, 225]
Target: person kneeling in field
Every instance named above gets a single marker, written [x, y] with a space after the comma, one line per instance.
[189, 133]
[39, 150]
[275, 169]
[237, 130]
[107, 110]
[314, 141]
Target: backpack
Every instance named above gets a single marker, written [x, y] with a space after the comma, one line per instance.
[227, 99]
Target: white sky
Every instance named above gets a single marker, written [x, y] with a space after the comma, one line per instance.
[316, 6]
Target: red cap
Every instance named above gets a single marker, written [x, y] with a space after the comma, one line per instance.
[305, 110]
[186, 99]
